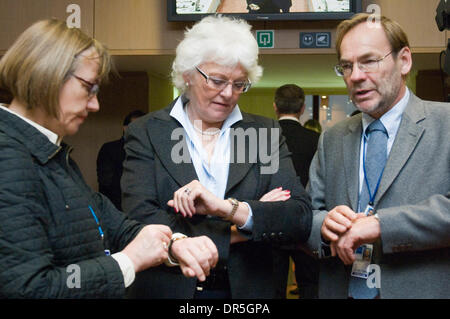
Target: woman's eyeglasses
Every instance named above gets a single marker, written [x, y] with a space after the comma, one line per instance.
[92, 88]
[220, 84]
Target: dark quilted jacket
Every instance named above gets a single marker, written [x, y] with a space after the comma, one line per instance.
[46, 224]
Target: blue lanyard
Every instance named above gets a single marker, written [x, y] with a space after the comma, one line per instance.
[102, 235]
[371, 196]
[98, 224]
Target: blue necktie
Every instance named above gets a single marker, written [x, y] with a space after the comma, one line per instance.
[374, 162]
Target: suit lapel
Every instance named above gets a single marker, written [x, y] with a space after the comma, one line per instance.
[350, 148]
[238, 171]
[408, 135]
[170, 146]
[161, 131]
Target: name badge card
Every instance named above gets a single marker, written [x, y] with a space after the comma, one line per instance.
[363, 258]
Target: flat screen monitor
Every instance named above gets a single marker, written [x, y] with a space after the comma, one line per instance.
[264, 10]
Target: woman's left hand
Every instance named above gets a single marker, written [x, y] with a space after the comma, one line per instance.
[194, 198]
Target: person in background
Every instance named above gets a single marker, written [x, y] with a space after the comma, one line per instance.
[110, 164]
[203, 167]
[289, 105]
[313, 125]
[380, 180]
[58, 238]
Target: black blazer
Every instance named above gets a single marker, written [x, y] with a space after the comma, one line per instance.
[302, 143]
[151, 177]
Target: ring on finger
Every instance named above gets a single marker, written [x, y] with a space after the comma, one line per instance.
[187, 191]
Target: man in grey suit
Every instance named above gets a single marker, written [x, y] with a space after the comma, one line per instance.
[405, 227]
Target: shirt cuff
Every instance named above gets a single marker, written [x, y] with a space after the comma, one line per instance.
[127, 268]
[248, 226]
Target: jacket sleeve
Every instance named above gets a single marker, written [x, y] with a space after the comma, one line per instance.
[282, 221]
[425, 225]
[119, 229]
[316, 188]
[26, 258]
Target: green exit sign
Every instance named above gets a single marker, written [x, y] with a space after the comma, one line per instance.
[265, 39]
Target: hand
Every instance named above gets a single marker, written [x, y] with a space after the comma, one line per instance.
[365, 230]
[196, 255]
[277, 194]
[194, 198]
[149, 247]
[337, 222]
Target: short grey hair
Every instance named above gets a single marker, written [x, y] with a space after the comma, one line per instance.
[222, 40]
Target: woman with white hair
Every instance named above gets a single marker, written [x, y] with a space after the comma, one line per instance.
[205, 168]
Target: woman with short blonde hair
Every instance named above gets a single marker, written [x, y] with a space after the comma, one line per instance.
[34, 73]
[56, 234]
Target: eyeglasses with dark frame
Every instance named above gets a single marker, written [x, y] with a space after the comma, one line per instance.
[366, 66]
[220, 84]
[93, 88]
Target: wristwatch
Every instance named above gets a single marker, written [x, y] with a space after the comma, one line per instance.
[171, 260]
[235, 203]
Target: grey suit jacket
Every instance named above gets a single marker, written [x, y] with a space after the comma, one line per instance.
[413, 202]
[151, 176]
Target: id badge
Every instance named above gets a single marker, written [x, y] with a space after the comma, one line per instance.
[369, 211]
[363, 258]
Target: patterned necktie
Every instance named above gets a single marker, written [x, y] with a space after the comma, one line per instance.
[374, 162]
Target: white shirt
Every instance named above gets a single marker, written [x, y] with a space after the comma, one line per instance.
[391, 121]
[125, 263]
[288, 117]
[50, 135]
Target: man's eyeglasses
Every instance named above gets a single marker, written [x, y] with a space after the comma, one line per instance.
[220, 84]
[366, 66]
[92, 88]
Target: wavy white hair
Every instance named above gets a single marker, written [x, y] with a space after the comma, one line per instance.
[222, 40]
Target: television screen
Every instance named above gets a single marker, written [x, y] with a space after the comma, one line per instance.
[191, 10]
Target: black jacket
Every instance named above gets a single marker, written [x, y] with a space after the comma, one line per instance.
[302, 143]
[151, 176]
[46, 224]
